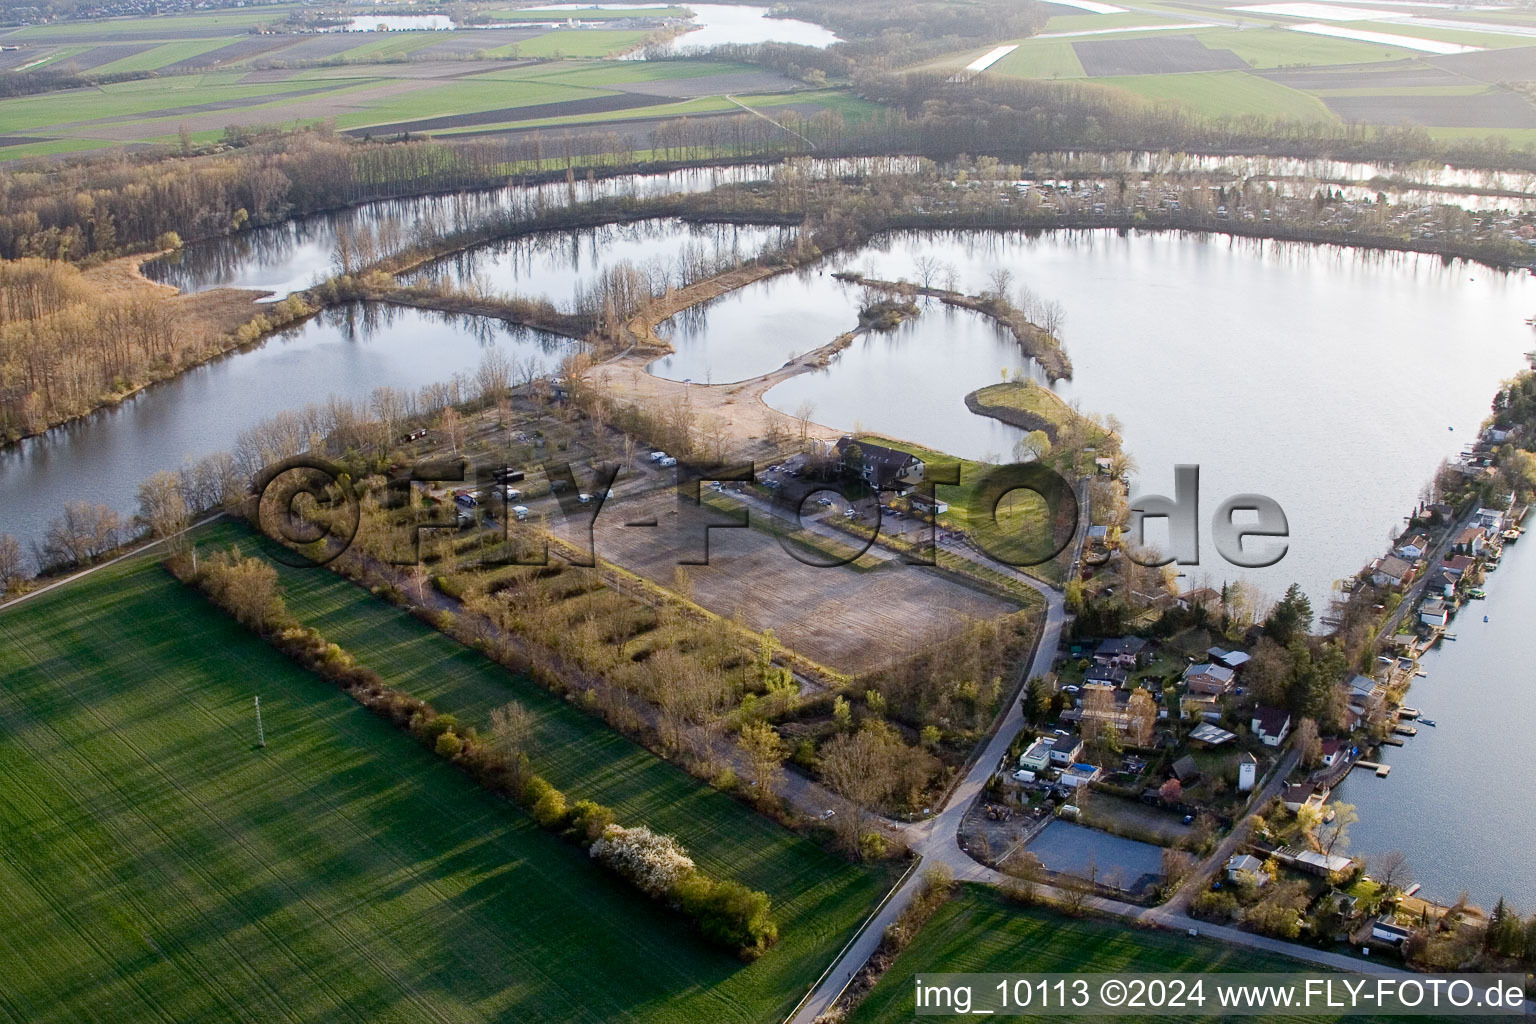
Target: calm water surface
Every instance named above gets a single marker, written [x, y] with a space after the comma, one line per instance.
[347, 351]
[1330, 380]
[562, 265]
[717, 25]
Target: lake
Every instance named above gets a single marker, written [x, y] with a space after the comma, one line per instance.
[347, 351]
[1329, 379]
[1458, 801]
[293, 255]
[562, 265]
[716, 25]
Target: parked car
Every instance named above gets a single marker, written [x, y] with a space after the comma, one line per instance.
[584, 498]
[824, 502]
[658, 456]
[667, 462]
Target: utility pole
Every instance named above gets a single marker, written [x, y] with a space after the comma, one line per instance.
[261, 736]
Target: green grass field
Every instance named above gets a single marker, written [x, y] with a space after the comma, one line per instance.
[1043, 58]
[157, 866]
[1276, 47]
[159, 56]
[586, 43]
[170, 26]
[1219, 93]
[980, 932]
[588, 15]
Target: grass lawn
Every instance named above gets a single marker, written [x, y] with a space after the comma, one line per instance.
[1029, 397]
[144, 98]
[159, 56]
[1220, 93]
[1471, 37]
[1046, 58]
[583, 43]
[1020, 514]
[157, 866]
[980, 932]
[1093, 22]
[1276, 47]
[465, 96]
[600, 74]
[172, 26]
[587, 15]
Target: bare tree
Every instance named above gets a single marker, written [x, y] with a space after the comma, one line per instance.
[1307, 743]
[162, 505]
[857, 768]
[927, 269]
[803, 413]
[13, 565]
[1391, 870]
[81, 534]
[511, 728]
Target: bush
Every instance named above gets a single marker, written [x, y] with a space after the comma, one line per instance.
[448, 745]
[1214, 906]
[655, 863]
[728, 913]
[588, 820]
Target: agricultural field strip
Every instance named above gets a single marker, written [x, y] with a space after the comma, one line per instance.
[203, 809]
[167, 880]
[238, 837]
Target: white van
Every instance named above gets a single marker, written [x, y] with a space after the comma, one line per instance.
[520, 512]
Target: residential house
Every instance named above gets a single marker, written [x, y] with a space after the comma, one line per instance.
[1414, 548]
[1038, 757]
[1079, 774]
[1491, 519]
[1439, 512]
[1065, 749]
[1367, 696]
[882, 468]
[1207, 709]
[1186, 770]
[1471, 541]
[1302, 794]
[1333, 751]
[1209, 679]
[1233, 660]
[1106, 674]
[1126, 651]
[1245, 863]
[1271, 725]
[1203, 597]
[1320, 864]
[1133, 715]
[1434, 612]
[1391, 571]
[1456, 565]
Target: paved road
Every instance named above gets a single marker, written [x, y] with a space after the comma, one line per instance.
[936, 840]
